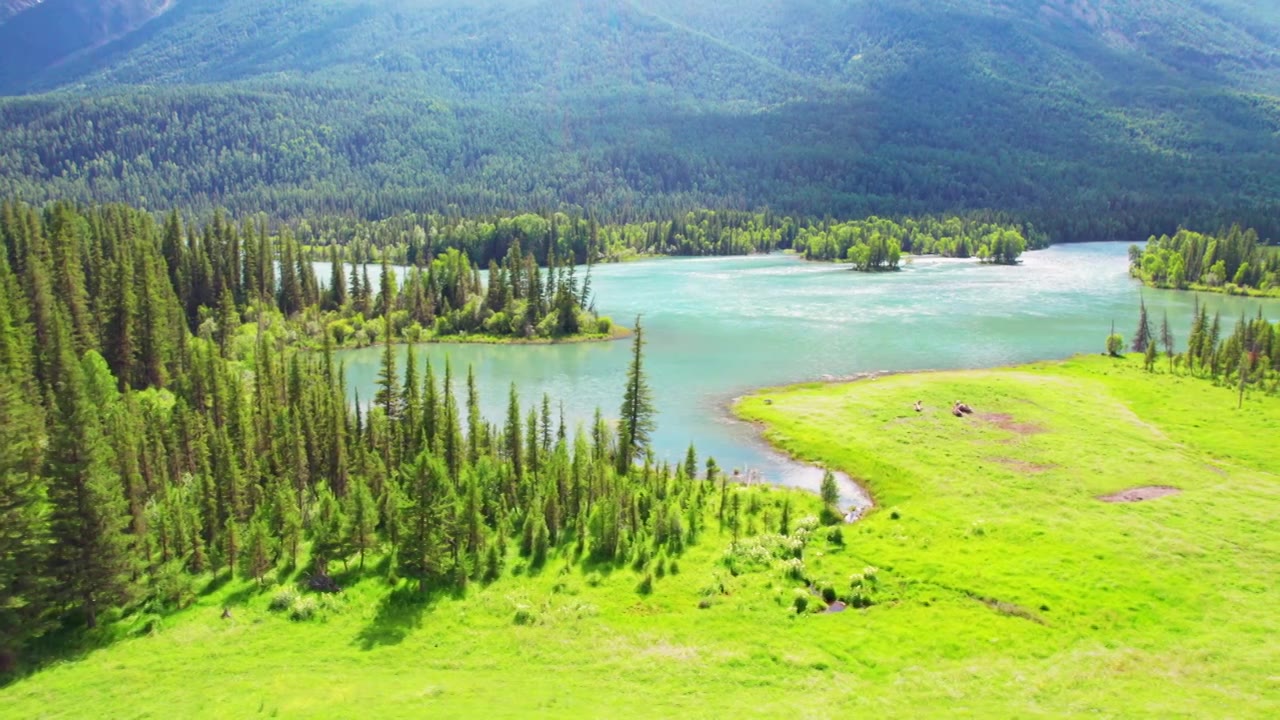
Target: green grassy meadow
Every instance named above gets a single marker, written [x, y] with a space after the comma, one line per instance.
[998, 584]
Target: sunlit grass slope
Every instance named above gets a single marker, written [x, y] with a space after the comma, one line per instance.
[1165, 607]
[998, 584]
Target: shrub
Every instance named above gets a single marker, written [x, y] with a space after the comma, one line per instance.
[498, 324]
[525, 615]
[801, 602]
[1115, 343]
[283, 599]
[836, 537]
[793, 568]
[646, 585]
[304, 608]
[641, 558]
[594, 579]
[828, 594]
[174, 586]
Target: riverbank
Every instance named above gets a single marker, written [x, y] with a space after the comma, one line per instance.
[616, 332]
[1228, 289]
[1116, 520]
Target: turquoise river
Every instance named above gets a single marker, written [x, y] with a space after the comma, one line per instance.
[716, 328]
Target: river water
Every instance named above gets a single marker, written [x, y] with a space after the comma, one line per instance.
[716, 328]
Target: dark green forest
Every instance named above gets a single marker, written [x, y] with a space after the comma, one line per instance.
[143, 459]
[1091, 120]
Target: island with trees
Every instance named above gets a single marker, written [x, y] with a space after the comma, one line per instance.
[878, 244]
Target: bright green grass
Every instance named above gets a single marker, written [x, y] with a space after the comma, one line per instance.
[1157, 609]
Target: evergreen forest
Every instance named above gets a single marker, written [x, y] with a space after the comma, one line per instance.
[153, 443]
[1091, 119]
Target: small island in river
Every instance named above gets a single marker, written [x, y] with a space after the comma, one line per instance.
[877, 244]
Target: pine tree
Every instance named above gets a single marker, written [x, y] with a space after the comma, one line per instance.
[545, 422]
[289, 524]
[1143, 335]
[421, 547]
[1166, 339]
[257, 549]
[24, 527]
[326, 531]
[291, 298]
[512, 434]
[452, 444]
[830, 491]
[475, 421]
[362, 520]
[120, 336]
[411, 406]
[430, 409]
[636, 415]
[337, 295]
[388, 395]
[90, 556]
[357, 288]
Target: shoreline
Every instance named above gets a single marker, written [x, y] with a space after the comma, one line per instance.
[1239, 291]
[854, 512]
[617, 333]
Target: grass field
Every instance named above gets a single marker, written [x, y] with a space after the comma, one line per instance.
[1000, 586]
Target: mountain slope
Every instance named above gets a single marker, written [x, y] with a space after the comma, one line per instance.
[1097, 118]
[38, 37]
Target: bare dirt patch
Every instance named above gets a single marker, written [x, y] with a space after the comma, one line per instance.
[1139, 494]
[1023, 466]
[1011, 610]
[1005, 421]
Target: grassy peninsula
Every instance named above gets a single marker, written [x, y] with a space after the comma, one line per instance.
[1017, 590]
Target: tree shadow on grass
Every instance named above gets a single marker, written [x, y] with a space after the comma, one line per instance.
[400, 613]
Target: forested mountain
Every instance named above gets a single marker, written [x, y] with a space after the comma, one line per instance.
[1094, 119]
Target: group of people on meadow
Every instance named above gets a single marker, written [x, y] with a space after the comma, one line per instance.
[959, 409]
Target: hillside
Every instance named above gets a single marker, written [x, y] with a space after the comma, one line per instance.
[1093, 118]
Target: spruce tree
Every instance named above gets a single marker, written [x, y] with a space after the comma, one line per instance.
[258, 549]
[89, 559]
[362, 520]
[452, 444]
[475, 421]
[388, 395]
[637, 413]
[512, 435]
[830, 491]
[337, 295]
[24, 526]
[422, 538]
[1143, 335]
